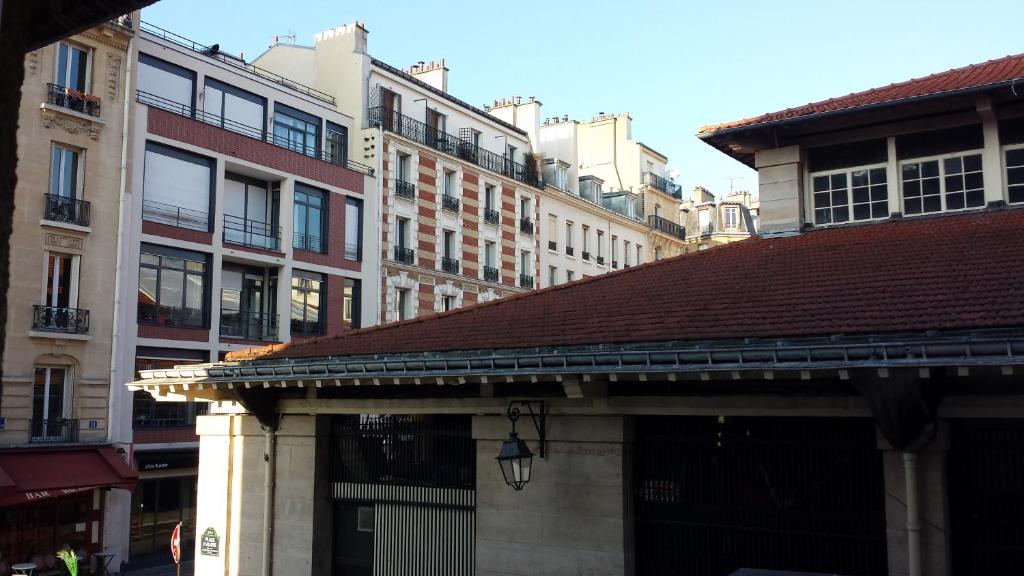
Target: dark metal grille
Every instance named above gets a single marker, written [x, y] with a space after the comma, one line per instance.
[491, 274]
[405, 189]
[449, 203]
[404, 255]
[307, 242]
[569, 250]
[526, 226]
[986, 496]
[585, 255]
[449, 265]
[73, 99]
[60, 430]
[249, 325]
[422, 450]
[175, 216]
[667, 186]
[68, 210]
[525, 281]
[492, 216]
[59, 319]
[552, 245]
[667, 226]
[714, 495]
[251, 233]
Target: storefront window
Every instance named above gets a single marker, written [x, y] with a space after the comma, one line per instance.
[36, 530]
[157, 506]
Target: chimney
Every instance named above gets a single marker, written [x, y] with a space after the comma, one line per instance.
[434, 73]
[780, 190]
[351, 37]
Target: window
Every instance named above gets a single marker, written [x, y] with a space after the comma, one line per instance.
[172, 287]
[449, 183]
[657, 253]
[949, 183]
[639, 254]
[615, 251]
[525, 208]
[447, 303]
[72, 67]
[626, 247]
[1015, 174]
[402, 304]
[657, 210]
[489, 196]
[353, 229]
[296, 130]
[860, 194]
[525, 265]
[474, 138]
[732, 217]
[552, 232]
[489, 254]
[337, 144]
[448, 244]
[403, 168]
[177, 188]
[51, 403]
[704, 221]
[570, 275]
[167, 81]
[244, 304]
[568, 238]
[66, 171]
[586, 242]
[402, 232]
[351, 316]
[249, 214]
[234, 109]
[552, 275]
[561, 177]
[307, 295]
[61, 290]
[600, 246]
[310, 219]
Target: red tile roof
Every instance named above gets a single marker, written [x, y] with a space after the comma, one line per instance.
[997, 71]
[957, 271]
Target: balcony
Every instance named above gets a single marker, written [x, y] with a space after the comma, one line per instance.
[526, 226]
[600, 260]
[305, 328]
[251, 233]
[71, 99]
[248, 326]
[449, 265]
[526, 281]
[615, 264]
[707, 229]
[492, 216]
[56, 431]
[405, 190]
[569, 250]
[424, 134]
[552, 245]
[669, 187]
[66, 210]
[175, 216]
[667, 226]
[450, 203]
[307, 242]
[60, 320]
[586, 256]
[491, 274]
[404, 255]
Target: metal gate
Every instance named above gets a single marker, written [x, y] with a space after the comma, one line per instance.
[986, 496]
[716, 494]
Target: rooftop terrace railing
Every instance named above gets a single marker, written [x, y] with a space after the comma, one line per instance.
[667, 186]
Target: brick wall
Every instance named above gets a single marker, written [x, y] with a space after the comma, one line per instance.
[167, 231]
[335, 256]
[470, 225]
[171, 333]
[426, 300]
[335, 304]
[509, 230]
[170, 125]
[426, 233]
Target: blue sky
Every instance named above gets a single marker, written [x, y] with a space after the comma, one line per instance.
[674, 65]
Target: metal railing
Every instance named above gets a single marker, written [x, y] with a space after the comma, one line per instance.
[252, 233]
[667, 186]
[72, 99]
[526, 226]
[305, 328]
[585, 255]
[600, 259]
[615, 264]
[307, 242]
[449, 265]
[667, 226]
[706, 229]
[569, 250]
[491, 274]
[248, 325]
[450, 203]
[423, 133]
[552, 245]
[60, 319]
[68, 210]
[405, 189]
[170, 316]
[404, 255]
[214, 53]
[260, 134]
[492, 216]
[525, 281]
[175, 216]
[58, 430]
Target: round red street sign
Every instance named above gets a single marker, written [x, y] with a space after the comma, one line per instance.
[176, 543]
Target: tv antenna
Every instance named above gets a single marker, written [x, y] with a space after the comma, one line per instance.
[732, 179]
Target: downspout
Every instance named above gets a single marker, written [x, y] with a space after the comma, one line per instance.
[381, 225]
[913, 514]
[268, 499]
[615, 149]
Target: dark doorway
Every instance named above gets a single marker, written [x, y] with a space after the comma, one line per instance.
[353, 539]
[716, 494]
[986, 496]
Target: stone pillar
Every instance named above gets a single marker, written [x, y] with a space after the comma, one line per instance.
[571, 517]
[780, 187]
[932, 503]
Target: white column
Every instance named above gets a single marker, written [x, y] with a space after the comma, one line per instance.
[991, 158]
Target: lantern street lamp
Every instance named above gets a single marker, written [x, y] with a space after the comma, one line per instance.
[515, 458]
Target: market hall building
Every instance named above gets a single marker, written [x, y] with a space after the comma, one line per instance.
[848, 403]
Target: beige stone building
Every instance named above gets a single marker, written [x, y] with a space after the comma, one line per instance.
[710, 222]
[55, 454]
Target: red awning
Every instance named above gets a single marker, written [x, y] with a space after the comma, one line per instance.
[27, 475]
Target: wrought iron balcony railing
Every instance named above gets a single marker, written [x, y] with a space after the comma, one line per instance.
[60, 319]
[56, 430]
[615, 264]
[600, 259]
[248, 325]
[492, 216]
[423, 133]
[569, 250]
[667, 186]
[667, 226]
[585, 255]
[404, 255]
[491, 274]
[73, 99]
[307, 242]
[68, 210]
[405, 189]
[252, 233]
[450, 203]
[175, 216]
[449, 265]
[525, 281]
[526, 226]
[552, 245]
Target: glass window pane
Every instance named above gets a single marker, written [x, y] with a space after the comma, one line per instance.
[955, 201]
[910, 172]
[147, 294]
[171, 285]
[954, 183]
[975, 198]
[972, 163]
[932, 204]
[878, 176]
[861, 212]
[838, 181]
[912, 189]
[930, 186]
[953, 165]
[973, 181]
[1015, 157]
[930, 169]
[839, 197]
[859, 178]
[841, 214]
[820, 183]
[860, 195]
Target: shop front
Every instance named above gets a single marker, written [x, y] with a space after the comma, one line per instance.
[165, 496]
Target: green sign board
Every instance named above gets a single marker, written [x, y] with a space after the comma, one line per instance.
[209, 544]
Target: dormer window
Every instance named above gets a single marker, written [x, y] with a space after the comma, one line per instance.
[948, 183]
[732, 217]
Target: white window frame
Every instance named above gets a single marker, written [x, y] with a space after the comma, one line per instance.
[76, 266]
[812, 216]
[940, 159]
[66, 394]
[552, 275]
[79, 192]
[730, 218]
[89, 55]
[626, 246]
[639, 254]
[403, 306]
[1006, 171]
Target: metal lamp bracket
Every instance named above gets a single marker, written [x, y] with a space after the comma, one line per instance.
[537, 414]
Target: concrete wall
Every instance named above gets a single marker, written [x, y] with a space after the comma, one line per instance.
[570, 519]
[780, 177]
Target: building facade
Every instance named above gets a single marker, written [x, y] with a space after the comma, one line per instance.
[246, 224]
[711, 223]
[58, 470]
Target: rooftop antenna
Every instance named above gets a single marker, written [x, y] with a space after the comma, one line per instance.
[732, 179]
[288, 38]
